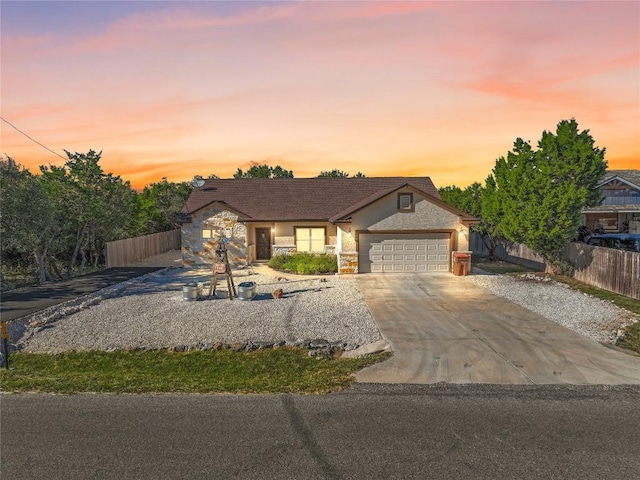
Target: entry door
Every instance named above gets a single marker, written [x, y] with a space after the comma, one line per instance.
[263, 243]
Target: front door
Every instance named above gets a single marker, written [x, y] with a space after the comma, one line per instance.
[263, 243]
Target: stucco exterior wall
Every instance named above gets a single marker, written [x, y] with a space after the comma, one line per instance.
[197, 250]
[348, 240]
[384, 215]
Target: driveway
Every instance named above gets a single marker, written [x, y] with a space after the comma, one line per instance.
[24, 301]
[444, 328]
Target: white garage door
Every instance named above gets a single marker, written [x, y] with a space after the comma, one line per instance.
[404, 252]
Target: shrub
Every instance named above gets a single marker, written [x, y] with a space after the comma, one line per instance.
[305, 263]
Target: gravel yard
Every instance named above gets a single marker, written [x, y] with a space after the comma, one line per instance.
[589, 316]
[150, 313]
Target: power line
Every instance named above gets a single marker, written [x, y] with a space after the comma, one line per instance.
[32, 139]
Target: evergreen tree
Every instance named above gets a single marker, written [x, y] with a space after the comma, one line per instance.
[542, 192]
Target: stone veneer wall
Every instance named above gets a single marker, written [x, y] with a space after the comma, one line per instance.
[283, 249]
[197, 250]
[347, 262]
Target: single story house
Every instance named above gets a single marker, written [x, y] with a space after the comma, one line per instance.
[376, 224]
[620, 210]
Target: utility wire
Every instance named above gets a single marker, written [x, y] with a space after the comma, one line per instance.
[32, 139]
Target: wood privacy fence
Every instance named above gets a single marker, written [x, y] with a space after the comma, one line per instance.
[129, 251]
[614, 270]
[513, 253]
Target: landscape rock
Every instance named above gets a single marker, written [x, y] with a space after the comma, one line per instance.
[319, 343]
[371, 348]
[150, 314]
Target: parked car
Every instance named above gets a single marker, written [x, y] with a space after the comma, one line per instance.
[619, 241]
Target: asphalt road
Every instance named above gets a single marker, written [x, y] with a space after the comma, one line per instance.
[16, 304]
[372, 431]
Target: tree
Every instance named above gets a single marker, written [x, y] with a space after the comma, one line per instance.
[335, 173]
[491, 215]
[480, 202]
[158, 205]
[468, 200]
[97, 207]
[543, 191]
[264, 171]
[29, 224]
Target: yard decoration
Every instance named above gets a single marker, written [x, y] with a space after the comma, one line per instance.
[222, 267]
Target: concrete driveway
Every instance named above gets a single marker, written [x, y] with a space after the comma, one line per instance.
[444, 328]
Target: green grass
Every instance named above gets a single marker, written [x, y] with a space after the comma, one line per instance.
[631, 340]
[305, 263]
[283, 370]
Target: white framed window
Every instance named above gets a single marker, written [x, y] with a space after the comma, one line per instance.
[310, 239]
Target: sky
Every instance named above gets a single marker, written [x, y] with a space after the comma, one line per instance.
[441, 89]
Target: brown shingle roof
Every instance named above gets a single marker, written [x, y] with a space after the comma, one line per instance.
[632, 176]
[281, 199]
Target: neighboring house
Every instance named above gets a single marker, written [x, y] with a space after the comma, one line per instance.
[386, 224]
[620, 211]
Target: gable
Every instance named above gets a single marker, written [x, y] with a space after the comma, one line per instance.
[621, 179]
[619, 184]
[385, 214]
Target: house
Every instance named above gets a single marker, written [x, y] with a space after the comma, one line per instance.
[620, 210]
[385, 224]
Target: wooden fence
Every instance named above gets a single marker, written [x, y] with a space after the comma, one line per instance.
[614, 270]
[129, 251]
[513, 253]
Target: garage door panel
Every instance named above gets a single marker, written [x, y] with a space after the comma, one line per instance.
[428, 252]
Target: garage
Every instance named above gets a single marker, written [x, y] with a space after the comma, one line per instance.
[404, 252]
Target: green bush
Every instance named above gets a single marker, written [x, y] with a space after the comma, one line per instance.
[305, 263]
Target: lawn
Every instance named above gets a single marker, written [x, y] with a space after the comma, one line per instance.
[283, 370]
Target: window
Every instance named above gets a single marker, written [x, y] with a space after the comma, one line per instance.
[309, 239]
[207, 233]
[405, 202]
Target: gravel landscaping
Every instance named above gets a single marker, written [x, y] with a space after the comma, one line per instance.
[150, 313]
[597, 319]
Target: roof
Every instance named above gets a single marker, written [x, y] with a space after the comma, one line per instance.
[287, 199]
[628, 176]
[629, 208]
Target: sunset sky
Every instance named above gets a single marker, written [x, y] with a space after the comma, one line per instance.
[175, 88]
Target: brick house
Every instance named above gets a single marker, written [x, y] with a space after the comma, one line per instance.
[378, 224]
